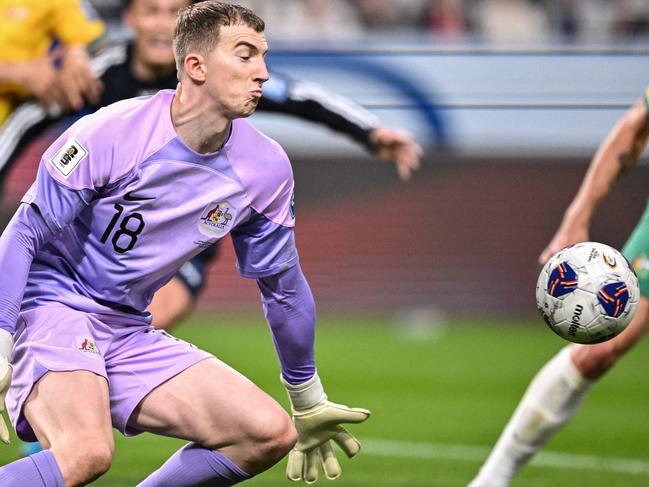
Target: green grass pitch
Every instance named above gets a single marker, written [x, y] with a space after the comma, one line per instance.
[438, 399]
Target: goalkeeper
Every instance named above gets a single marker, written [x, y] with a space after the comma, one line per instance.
[85, 259]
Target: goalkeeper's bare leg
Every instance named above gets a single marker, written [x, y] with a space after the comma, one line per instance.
[65, 410]
[235, 429]
[552, 399]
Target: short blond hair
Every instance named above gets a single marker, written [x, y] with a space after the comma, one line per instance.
[198, 26]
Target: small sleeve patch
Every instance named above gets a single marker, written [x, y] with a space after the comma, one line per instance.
[68, 158]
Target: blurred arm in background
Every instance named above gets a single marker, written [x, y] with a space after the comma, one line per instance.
[315, 103]
[42, 54]
[38, 77]
[618, 153]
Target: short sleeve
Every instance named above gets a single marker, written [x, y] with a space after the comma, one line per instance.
[57, 204]
[71, 172]
[75, 21]
[82, 158]
[263, 247]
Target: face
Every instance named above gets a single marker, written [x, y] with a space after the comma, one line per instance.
[152, 22]
[235, 70]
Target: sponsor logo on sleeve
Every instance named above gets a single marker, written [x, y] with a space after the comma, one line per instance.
[216, 219]
[68, 158]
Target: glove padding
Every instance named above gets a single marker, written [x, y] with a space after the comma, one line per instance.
[5, 382]
[316, 426]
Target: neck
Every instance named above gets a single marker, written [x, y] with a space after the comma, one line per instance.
[196, 122]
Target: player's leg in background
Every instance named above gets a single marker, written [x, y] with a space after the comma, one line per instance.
[69, 412]
[559, 388]
[170, 303]
[176, 298]
[553, 397]
[235, 429]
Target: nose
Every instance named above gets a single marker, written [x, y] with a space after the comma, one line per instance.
[262, 72]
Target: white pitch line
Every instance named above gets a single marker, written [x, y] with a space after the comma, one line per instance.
[430, 451]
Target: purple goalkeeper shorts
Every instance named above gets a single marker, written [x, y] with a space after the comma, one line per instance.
[135, 358]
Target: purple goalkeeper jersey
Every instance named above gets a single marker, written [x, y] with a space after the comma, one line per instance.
[129, 203]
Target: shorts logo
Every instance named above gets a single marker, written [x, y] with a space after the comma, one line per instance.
[87, 345]
[68, 158]
[216, 219]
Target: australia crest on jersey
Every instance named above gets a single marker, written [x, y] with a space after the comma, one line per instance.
[216, 219]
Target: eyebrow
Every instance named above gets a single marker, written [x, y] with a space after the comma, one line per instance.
[251, 46]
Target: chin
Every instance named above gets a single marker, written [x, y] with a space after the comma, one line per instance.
[249, 108]
[233, 115]
[246, 114]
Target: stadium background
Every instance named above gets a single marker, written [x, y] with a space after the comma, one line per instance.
[510, 99]
[509, 111]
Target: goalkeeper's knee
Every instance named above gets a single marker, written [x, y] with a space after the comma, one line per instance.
[266, 439]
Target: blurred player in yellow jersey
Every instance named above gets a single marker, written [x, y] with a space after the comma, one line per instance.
[42, 53]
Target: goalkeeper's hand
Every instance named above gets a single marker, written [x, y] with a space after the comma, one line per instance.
[318, 422]
[6, 345]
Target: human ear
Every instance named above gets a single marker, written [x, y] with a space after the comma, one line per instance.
[194, 66]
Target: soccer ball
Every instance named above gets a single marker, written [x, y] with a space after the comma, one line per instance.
[587, 293]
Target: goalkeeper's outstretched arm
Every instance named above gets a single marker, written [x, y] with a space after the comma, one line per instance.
[290, 312]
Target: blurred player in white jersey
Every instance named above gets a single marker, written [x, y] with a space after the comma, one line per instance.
[121, 200]
[559, 388]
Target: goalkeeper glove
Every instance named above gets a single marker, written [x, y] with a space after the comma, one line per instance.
[317, 422]
[6, 344]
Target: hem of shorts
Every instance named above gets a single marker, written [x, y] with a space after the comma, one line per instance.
[125, 429]
[277, 269]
